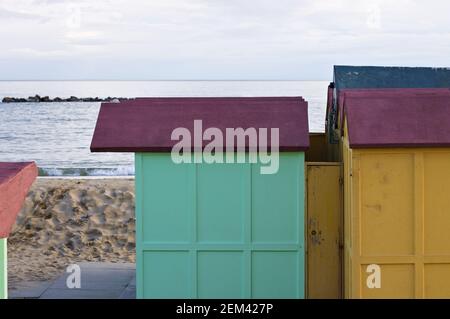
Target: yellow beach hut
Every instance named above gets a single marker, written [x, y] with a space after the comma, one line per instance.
[396, 155]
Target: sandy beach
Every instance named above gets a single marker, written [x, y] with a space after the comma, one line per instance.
[65, 221]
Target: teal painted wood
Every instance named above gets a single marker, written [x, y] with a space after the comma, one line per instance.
[3, 269]
[219, 230]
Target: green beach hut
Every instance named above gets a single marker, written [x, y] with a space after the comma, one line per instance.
[15, 181]
[220, 193]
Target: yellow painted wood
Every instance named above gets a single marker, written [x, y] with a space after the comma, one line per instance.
[318, 148]
[397, 216]
[347, 223]
[324, 229]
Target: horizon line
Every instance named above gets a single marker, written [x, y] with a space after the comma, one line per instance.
[160, 80]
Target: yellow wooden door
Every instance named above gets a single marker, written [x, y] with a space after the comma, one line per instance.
[324, 230]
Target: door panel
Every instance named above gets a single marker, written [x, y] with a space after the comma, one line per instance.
[219, 230]
[324, 220]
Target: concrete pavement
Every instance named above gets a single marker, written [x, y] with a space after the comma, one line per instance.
[98, 281]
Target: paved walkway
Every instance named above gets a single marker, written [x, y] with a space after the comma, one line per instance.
[98, 281]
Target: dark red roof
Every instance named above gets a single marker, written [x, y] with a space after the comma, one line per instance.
[386, 93]
[15, 181]
[398, 118]
[146, 124]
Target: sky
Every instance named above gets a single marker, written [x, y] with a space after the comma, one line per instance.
[216, 39]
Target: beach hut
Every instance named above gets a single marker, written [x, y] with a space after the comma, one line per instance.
[214, 223]
[375, 77]
[15, 181]
[396, 154]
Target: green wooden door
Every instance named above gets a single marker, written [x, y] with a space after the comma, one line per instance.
[3, 269]
[219, 230]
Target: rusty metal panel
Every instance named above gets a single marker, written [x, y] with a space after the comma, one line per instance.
[324, 230]
[371, 77]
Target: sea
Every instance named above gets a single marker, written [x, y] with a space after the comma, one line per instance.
[57, 136]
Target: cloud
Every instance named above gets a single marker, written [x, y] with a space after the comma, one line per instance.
[34, 53]
[85, 38]
[10, 14]
[216, 39]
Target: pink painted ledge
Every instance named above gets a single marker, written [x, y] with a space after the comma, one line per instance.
[15, 181]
